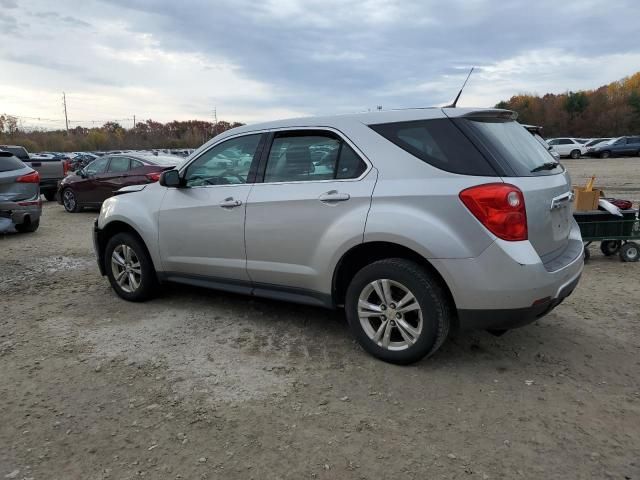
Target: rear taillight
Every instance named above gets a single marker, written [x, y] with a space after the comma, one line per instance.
[66, 166]
[500, 208]
[33, 177]
[153, 176]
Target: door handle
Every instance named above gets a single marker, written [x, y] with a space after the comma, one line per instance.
[230, 203]
[334, 196]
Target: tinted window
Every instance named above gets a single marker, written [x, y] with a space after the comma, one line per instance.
[565, 141]
[10, 163]
[439, 143]
[634, 140]
[225, 164]
[553, 142]
[136, 164]
[512, 146]
[119, 164]
[97, 166]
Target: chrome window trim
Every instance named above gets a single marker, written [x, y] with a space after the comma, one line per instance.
[340, 134]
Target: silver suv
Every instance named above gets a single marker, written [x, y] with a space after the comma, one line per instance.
[416, 222]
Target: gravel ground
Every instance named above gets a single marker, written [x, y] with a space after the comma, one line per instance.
[200, 384]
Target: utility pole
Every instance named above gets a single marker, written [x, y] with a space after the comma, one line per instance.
[215, 119]
[134, 122]
[66, 119]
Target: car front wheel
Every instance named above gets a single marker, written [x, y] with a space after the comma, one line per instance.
[129, 268]
[575, 154]
[397, 311]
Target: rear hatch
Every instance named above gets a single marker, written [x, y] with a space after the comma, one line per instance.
[519, 159]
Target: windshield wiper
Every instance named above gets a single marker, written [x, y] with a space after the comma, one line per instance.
[545, 166]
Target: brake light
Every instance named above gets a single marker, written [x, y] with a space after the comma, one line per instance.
[33, 177]
[153, 176]
[500, 208]
[66, 164]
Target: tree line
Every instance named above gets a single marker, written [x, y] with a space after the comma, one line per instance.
[609, 111]
[112, 136]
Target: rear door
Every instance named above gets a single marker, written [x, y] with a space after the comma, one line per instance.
[523, 162]
[312, 200]
[114, 177]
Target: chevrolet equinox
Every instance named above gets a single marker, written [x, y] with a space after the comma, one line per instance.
[416, 222]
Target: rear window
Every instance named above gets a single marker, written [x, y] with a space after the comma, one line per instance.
[10, 163]
[19, 152]
[439, 143]
[517, 152]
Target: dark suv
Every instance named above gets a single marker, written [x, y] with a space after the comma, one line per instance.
[621, 146]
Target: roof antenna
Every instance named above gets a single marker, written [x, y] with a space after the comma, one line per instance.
[453, 105]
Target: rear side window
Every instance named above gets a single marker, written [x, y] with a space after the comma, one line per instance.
[10, 163]
[136, 164]
[439, 143]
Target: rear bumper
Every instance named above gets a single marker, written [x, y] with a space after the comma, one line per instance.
[509, 285]
[505, 319]
[17, 212]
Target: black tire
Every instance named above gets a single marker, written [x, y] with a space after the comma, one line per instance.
[610, 247]
[70, 200]
[436, 316]
[586, 254]
[28, 226]
[630, 252]
[605, 154]
[50, 196]
[148, 280]
[575, 154]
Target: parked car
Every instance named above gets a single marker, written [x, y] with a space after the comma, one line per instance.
[568, 147]
[621, 146]
[427, 220]
[80, 160]
[19, 193]
[595, 141]
[536, 131]
[91, 185]
[50, 168]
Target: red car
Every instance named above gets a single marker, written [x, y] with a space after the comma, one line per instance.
[93, 184]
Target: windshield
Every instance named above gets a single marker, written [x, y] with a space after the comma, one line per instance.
[513, 146]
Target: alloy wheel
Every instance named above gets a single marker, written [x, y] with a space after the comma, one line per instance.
[126, 268]
[390, 314]
[69, 200]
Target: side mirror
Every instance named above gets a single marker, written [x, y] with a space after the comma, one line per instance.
[171, 178]
[81, 173]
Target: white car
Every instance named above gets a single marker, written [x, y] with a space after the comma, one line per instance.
[568, 147]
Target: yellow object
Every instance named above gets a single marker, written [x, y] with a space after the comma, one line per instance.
[589, 186]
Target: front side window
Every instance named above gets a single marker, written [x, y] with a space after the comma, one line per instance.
[565, 141]
[97, 166]
[310, 156]
[228, 163]
[118, 165]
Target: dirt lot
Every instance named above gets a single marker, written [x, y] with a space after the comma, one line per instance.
[198, 384]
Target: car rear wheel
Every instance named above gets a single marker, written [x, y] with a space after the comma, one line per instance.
[70, 201]
[575, 154]
[129, 268]
[397, 311]
[50, 196]
[605, 154]
[28, 226]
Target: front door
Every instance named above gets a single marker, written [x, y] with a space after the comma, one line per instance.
[312, 202]
[201, 225]
[113, 179]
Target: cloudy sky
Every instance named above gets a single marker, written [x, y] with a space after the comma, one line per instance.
[259, 60]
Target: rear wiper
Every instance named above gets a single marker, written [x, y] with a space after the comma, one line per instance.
[545, 166]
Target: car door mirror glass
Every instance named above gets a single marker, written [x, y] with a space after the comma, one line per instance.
[170, 178]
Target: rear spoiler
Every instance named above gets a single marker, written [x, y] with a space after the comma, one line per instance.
[482, 113]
